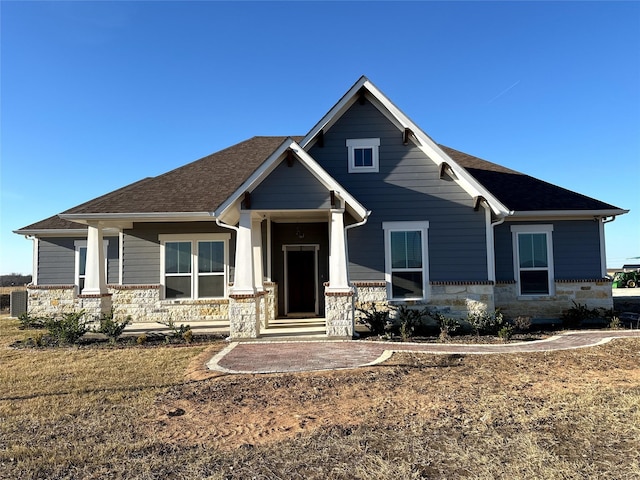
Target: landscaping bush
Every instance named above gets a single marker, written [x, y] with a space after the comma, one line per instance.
[29, 322]
[576, 315]
[377, 321]
[110, 327]
[484, 323]
[69, 328]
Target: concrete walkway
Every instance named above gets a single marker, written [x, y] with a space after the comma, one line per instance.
[301, 356]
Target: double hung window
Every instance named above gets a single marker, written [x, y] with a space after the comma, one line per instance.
[406, 260]
[533, 259]
[194, 267]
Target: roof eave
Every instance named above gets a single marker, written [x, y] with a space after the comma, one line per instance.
[566, 214]
[88, 218]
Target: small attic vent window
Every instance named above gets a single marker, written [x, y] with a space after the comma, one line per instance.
[363, 155]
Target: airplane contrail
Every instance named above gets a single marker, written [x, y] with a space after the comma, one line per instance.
[502, 93]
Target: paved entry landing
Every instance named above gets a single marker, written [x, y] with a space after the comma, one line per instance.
[300, 356]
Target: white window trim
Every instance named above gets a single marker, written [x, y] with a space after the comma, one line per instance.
[421, 226]
[194, 239]
[546, 229]
[78, 244]
[374, 144]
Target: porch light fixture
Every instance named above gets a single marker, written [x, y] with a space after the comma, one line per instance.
[299, 233]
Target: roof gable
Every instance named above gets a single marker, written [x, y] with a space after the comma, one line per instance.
[363, 87]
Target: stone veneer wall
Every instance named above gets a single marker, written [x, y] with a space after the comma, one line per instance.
[338, 312]
[271, 303]
[50, 300]
[141, 302]
[456, 299]
[594, 293]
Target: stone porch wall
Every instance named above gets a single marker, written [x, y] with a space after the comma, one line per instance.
[49, 300]
[338, 312]
[455, 299]
[594, 293]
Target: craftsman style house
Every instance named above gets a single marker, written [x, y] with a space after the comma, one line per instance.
[365, 208]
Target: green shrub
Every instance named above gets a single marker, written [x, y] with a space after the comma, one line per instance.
[377, 321]
[29, 322]
[177, 332]
[142, 339]
[110, 327]
[574, 316]
[448, 325]
[408, 320]
[188, 336]
[506, 332]
[69, 328]
[484, 323]
[615, 323]
[522, 323]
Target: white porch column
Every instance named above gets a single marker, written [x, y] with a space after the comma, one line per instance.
[94, 282]
[338, 278]
[243, 283]
[256, 245]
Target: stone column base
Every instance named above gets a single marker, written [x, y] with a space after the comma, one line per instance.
[95, 305]
[244, 316]
[338, 310]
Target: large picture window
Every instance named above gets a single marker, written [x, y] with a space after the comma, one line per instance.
[406, 260]
[194, 266]
[533, 259]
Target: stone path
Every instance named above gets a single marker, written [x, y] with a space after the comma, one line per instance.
[302, 356]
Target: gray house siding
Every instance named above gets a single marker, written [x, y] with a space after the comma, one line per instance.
[290, 188]
[57, 262]
[576, 249]
[141, 248]
[406, 188]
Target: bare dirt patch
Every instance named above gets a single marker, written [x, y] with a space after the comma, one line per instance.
[248, 410]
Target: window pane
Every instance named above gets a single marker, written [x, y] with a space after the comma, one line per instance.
[363, 157]
[406, 250]
[406, 285]
[81, 286]
[178, 287]
[83, 260]
[534, 282]
[532, 248]
[177, 257]
[211, 286]
[210, 257]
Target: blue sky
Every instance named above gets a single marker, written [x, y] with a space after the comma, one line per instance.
[96, 95]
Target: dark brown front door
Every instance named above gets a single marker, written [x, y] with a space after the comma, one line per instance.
[301, 270]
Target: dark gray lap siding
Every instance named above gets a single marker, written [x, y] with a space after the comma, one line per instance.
[576, 249]
[141, 248]
[57, 261]
[406, 188]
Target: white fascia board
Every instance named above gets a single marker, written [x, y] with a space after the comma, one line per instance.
[336, 112]
[64, 232]
[565, 214]
[128, 218]
[424, 142]
[273, 161]
[256, 177]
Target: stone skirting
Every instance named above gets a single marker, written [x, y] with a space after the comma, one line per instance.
[244, 315]
[51, 300]
[458, 299]
[338, 312]
[592, 293]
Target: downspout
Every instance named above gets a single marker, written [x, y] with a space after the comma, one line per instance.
[230, 227]
[603, 250]
[346, 243]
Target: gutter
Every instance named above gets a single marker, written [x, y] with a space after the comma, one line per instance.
[346, 245]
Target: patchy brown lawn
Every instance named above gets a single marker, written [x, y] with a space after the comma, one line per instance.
[156, 413]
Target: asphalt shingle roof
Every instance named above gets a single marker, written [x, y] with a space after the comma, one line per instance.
[202, 185]
[520, 192]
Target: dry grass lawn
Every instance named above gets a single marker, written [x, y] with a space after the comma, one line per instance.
[146, 413]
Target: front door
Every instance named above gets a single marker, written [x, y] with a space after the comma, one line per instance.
[301, 271]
